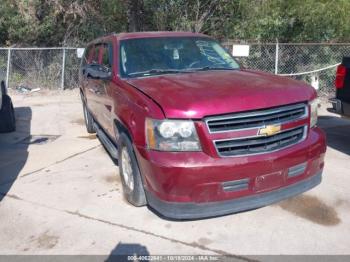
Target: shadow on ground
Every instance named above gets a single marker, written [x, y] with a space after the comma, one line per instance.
[126, 252]
[338, 132]
[13, 152]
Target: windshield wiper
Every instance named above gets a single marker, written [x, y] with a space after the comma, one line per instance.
[157, 71]
[208, 68]
[176, 71]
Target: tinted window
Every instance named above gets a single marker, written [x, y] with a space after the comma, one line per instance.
[92, 55]
[86, 56]
[150, 56]
[95, 55]
[106, 56]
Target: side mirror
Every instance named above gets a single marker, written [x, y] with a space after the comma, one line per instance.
[104, 75]
[96, 71]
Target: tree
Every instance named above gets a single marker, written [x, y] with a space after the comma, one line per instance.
[59, 22]
[134, 9]
[74, 22]
[290, 21]
[191, 15]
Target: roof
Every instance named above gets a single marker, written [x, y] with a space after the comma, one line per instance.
[157, 34]
[133, 35]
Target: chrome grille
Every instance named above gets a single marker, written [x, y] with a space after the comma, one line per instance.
[260, 144]
[256, 119]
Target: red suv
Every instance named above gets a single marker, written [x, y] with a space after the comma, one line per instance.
[195, 134]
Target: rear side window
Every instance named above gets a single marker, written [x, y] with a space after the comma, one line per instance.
[91, 55]
[99, 54]
[86, 56]
[106, 56]
[99, 57]
[95, 55]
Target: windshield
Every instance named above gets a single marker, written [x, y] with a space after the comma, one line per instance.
[155, 56]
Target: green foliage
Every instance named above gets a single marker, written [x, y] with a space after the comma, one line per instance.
[291, 21]
[58, 22]
[74, 22]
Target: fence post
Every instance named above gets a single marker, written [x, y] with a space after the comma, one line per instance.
[276, 57]
[63, 67]
[8, 67]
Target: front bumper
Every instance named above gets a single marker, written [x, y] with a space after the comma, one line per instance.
[186, 185]
[203, 210]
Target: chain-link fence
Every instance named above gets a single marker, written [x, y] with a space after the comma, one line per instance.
[3, 63]
[45, 68]
[307, 62]
[54, 68]
[261, 57]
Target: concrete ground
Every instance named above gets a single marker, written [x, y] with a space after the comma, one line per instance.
[60, 193]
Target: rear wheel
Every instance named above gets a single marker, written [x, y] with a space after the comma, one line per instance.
[89, 121]
[7, 115]
[130, 173]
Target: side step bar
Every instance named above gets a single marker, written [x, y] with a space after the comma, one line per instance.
[112, 149]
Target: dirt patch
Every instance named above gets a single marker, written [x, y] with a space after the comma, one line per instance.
[79, 121]
[39, 104]
[204, 241]
[342, 202]
[46, 241]
[91, 137]
[112, 179]
[312, 209]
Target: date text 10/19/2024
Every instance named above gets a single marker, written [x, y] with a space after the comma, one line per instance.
[173, 258]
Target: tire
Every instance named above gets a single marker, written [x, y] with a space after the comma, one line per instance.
[133, 188]
[89, 121]
[7, 115]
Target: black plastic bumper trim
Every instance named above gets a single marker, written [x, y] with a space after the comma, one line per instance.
[183, 211]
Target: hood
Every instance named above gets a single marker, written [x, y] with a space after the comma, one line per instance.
[205, 93]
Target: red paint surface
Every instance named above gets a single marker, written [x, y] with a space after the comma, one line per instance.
[197, 176]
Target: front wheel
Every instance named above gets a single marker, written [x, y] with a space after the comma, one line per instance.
[130, 173]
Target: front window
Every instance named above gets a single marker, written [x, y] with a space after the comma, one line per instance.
[166, 55]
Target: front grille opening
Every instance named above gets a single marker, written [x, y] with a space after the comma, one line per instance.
[255, 119]
[256, 145]
[297, 170]
[236, 185]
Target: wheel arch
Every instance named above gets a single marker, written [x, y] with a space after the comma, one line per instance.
[120, 128]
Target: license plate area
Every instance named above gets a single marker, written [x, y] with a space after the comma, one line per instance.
[269, 181]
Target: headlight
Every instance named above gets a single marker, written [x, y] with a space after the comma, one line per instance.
[172, 135]
[313, 112]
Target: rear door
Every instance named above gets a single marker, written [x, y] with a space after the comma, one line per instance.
[91, 82]
[83, 68]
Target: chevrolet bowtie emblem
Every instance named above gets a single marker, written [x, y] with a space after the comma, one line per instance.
[269, 130]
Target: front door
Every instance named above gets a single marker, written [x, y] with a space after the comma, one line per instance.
[103, 89]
